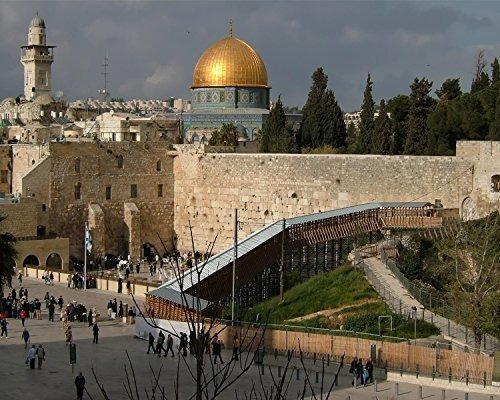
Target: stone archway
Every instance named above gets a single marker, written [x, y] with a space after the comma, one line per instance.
[31, 260]
[149, 251]
[469, 211]
[54, 261]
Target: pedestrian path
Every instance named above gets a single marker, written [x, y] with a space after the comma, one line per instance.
[401, 301]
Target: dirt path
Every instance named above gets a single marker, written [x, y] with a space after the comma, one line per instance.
[331, 311]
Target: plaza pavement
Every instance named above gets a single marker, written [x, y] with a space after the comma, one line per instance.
[56, 380]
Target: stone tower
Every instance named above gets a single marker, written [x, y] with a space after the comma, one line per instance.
[37, 59]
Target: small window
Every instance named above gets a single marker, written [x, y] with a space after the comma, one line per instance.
[32, 162]
[119, 162]
[108, 192]
[78, 189]
[133, 190]
[160, 190]
[77, 165]
[158, 165]
[3, 176]
[495, 183]
[44, 207]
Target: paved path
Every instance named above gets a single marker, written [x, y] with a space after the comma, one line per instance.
[55, 380]
[400, 300]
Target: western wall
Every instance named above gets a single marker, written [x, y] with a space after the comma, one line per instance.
[269, 187]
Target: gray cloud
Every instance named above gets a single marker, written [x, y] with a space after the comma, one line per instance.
[153, 46]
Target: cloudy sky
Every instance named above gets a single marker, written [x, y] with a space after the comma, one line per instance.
[153, 46]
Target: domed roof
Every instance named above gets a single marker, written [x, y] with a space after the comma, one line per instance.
[230, 62]
[37, 22]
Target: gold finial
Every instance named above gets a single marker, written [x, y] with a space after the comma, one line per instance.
[230, 28]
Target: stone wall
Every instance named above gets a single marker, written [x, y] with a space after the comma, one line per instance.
[485, 156]
[21, 217]
[24, 159]
[93, 167]
[269, 187]
[42, 250]
[5, 169]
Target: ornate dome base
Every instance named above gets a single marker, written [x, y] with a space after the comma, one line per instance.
[229, 97]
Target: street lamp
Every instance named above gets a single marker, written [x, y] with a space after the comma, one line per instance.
[414, 323]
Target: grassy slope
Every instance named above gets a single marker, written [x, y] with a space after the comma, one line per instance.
[333, 289]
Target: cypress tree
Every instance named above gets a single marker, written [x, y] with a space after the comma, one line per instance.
[381, 143]
[351, 134]
[310, 131]
[366, 123]
[273, 127]
[334, 132]
[420, 106]
[495, 71]
[399, 108]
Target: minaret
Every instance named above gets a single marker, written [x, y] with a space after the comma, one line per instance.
[37, 59]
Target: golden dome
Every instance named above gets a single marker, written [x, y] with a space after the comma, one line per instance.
[230, 62]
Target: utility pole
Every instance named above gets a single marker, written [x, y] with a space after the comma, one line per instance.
[282, 262]
[235, 256]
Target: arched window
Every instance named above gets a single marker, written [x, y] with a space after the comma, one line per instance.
[495, 183]
[158, 165]
[77, 165]
[119, 161]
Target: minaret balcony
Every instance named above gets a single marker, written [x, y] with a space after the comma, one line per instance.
[37, 57]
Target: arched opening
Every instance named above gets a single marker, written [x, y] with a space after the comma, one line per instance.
[78, 191]
[119, 161]
[158, 165]
[495, 183]
[54, 261]
[77, 165]
[149, 251]
[469, 209]
[31, 260]
[204, 140]
[195, 138]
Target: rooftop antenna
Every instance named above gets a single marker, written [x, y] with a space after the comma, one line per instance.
[230, 28]
[105, 92]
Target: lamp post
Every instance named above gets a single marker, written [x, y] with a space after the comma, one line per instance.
[414, 323]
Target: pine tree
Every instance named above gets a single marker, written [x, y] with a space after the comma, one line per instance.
[494, 133]
[382, 137]
[309, 134]
[420, 106]
[366, 123]
[450, 89]
[273, 127]
[226, 136]
[481, 79]
[495, 71]
[334, 132]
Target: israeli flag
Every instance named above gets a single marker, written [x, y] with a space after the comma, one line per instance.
[88, 239]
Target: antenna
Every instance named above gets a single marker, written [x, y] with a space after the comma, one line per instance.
[230, 28]
[105, 92]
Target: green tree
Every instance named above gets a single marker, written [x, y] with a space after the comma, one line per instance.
[474, 124]
[494, 129]
[7, 255]
[421, 105]
[226, 136]
[445, 128]
[273, 127]
[450, 89]
[334, 132]
[367, 122]
[382, 135]
[351, 136]
[310, 131]
[495, 71]
[398, 107]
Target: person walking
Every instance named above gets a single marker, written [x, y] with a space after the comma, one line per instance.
[369, 368]
[170, 345]
[80, 386]
[120, 283]
[40, 354]
[216, 349]
[3, 324]
[22, 314]
[69, 336]
[96, 333]
[20, 278]
[159, 344]
[151, 340]
[51, 277]
[236, 347]
[52, 310]
[26, 337]
[31, 357]
[47, 300]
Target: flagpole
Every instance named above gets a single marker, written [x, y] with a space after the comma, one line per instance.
[85, 258]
